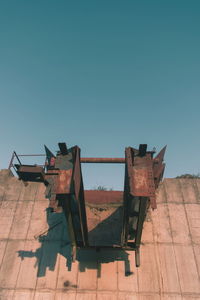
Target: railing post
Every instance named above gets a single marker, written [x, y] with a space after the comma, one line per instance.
[11, 161]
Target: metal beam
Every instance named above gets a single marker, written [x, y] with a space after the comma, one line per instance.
[102, 160]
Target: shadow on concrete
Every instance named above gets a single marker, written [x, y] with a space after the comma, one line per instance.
[108, 231]
[56, 241]
[92, 259]
[51, 243]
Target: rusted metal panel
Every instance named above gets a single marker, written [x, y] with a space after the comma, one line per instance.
[142, 177]
[58, 183]
[51, 179]
[64, 162]
[63, 181]
[140, 182]
[141, 174]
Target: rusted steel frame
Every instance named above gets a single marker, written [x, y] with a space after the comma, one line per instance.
[101, 160]
[67, 186]
[79, 194]
[137, 184]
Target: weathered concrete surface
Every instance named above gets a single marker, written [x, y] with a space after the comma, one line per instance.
[39, 269]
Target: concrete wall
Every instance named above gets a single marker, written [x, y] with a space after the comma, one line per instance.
[40, 269]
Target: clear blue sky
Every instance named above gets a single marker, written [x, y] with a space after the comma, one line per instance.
[103, 75]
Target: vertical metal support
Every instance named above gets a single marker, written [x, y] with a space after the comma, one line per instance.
[127, 197]
[79, 196]
[141, 217]
[137, 257]
[66, 205]
[17, 158]
[11, 161]
[142, 149]
[63, 148]
[138, 189]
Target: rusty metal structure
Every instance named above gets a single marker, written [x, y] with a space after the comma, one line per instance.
[62, 176]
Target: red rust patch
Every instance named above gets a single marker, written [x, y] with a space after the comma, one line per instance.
[103, 197]
[63, 181]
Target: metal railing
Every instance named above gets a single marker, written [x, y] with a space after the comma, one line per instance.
[15, 157]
